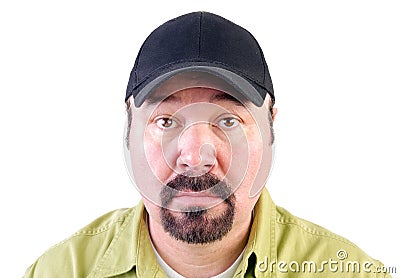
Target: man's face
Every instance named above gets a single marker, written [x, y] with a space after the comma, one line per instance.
[200, 159]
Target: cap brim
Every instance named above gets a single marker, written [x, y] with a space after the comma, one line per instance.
[221, 79]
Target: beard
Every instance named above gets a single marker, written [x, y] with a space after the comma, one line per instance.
[197, 225]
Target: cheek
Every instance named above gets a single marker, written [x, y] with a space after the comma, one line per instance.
[224, 158]
[256, 152]
[258, 163]
[155, 158]
[149, 171]
[260, 166]
[248, 191]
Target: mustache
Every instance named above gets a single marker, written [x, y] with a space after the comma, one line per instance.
[185, 182]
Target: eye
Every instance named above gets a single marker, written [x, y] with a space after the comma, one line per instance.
[166, 122]
[228, 123]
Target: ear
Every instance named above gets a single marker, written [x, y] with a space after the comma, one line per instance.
[274, 112]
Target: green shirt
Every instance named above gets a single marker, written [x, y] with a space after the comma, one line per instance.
[280, 245]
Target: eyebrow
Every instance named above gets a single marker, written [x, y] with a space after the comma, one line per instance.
[226, 97]
[152, 100]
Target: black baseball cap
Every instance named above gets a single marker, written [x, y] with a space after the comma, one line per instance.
[201, 42]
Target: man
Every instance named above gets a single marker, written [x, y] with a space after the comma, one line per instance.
[199, 148]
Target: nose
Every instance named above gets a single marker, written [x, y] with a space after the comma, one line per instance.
[197, 149]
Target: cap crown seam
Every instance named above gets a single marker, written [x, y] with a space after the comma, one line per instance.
[200, 31]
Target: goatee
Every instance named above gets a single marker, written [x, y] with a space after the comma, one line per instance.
[196, 224]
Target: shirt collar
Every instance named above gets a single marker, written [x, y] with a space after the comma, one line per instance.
[134, 239]
[261, 241]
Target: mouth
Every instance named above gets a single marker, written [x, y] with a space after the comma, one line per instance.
[189, 199]
[184, 193]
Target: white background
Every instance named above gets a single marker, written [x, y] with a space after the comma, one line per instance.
[64, 67]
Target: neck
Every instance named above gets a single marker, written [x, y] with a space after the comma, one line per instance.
[208, 259]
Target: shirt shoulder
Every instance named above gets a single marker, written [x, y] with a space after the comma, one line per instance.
[287, 223]
[79, 254]
[303, 241]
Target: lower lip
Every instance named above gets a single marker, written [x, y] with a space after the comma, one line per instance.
[183, 201]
